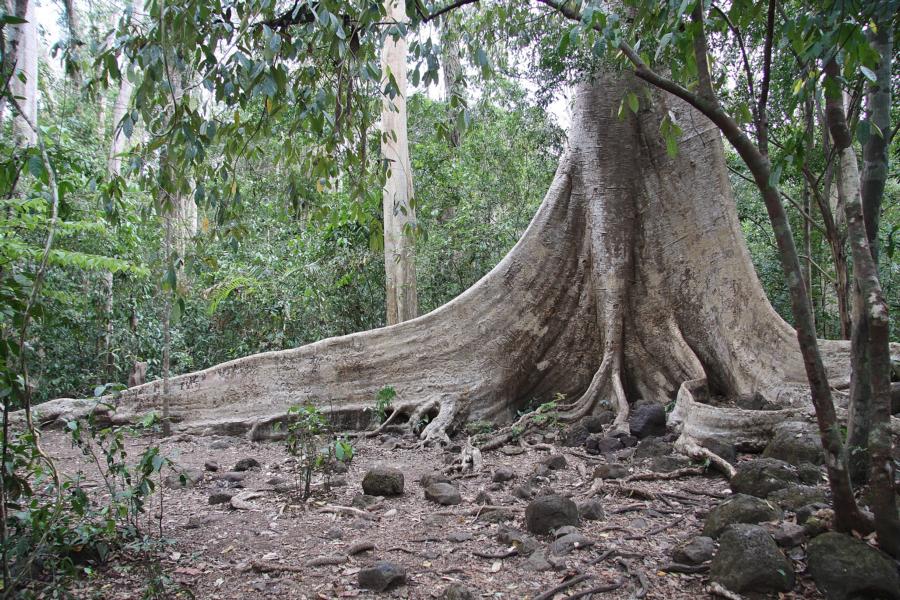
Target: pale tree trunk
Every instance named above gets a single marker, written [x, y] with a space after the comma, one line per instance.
[107, 359]
[632, 281]
[398, 207]
[26, 41]
[74, 26]
[454, 82]
[119, 139]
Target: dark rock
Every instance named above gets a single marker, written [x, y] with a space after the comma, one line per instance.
[591, 510]
[895, 397]
[274, 481]
[198, 521]
[220, 497]
[232, 476]
[512, 450]
[597, 444]
[186, 478]
[334, 533]
[496, 515]
[610, 471]
[286, 487]
[381, 576]
[805, 512]
[546, 513]
[564, 530]
[755, 401]
[844, 568]
[502, 474]
[245, 464]
[363, 501]
[211, 465]
[555, 462]
[695, 551]
[483, 498]
[809, 473]
[383, 481]
[595, 423]
[627, 441]
[541, 470]
[443, 493]
[795, 496]
[435, 477]
[521, 541]
[787, 534]
[456, 591]
[334, 482]
[219, 444]
[651, 447]
[667, 464]
[523, 492]
[762, 476]
[646, 420]
[572, 541]
[723, 449]
[457, 537]
[739, 508]
[574, 435]
[538, 562]
[748, 560]
[339, 467]
[796, 442]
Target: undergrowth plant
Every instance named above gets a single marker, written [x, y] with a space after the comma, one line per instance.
[311, 440]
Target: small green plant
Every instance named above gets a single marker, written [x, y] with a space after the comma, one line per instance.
[307, 429]
[479, 427]
[383, 401]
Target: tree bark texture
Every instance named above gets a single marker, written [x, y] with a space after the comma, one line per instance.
[25, 39]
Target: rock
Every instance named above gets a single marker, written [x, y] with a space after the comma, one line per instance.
[496, 515]
[219, 444]
[595, 423]
[651, 447]
[810, 474]
[844, 567]
[383, 481]
[443, 493]
[739, 508]
[456, 591]
[895, 397]
[569, 542]
[646, 420]
[211, 465]
[334, 533]
[795, 496]
[523, 492]
[198, 521]
[762, 476]
[232, 476]
[754, 401]
[541, 470]
[544, 514]
[591, 510]
[245, 464]
[502, 474]
[564, 530]
[610, 471]
[748, 560]
[363, 501]
[804, 513]
[512, 450]
[574, 435]
[796, 442]
[435, 477]
[555, 462]
[483, 498]
[220, 497]
[457, 537]
[787, 535]
[338, 467]
[667, 464]
[695, 551]
[523, 543]
[723, 449]
[186, 478]
[286, 487]
[381, 576]
[597, 444]
[276, 481]
[627, 441]
[538, 562]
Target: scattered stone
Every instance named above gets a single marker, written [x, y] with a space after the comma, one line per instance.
[762, 476]
[787, 534]
[651, 447]
[186, 478]
[796, 442]
[546, 513]
[232, 476]
[458, 537]
[496, 515]
[523, 492]
[754, 401]
[483, 498]
[541, 470]
[245, 464]
[597, 444]
[220, 497]
[627, 441]
[502, 474]
[435, 477]
[333, 482]
[564, 530]
[522, 542]
[591, 510]
[538, 562]
[456, 591]
[723, 449]
[383, 481]
[334, 533]
[339, 467]
[647, 420]
[198, 521]
[555, 462]
[695, 551]
[276, 481]
[748, 560]
[796, 496]
[569, 542]
[739, 508]
[512, 450]
[610, 471]
[804, 513]
[844, 567]
[363, 501]
[219, 444]
[381, 576]
[809, 473]
[595, 423]
[286, 487]
[443, 493]
[574, 435]
[211, 465]
[667, 464]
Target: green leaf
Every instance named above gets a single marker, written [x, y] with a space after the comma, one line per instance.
[869, 73]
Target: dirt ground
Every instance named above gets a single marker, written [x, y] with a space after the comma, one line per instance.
[217, 552]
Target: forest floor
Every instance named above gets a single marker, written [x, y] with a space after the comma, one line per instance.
[260, 551]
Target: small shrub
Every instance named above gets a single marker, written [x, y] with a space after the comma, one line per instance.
[383, 401]
[307, 429]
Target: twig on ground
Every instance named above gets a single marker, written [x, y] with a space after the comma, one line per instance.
[563, 586]
[652, 476]
[717, 589]
[682, 568]
[637, 574]
[509, 552]
[628, 508]
[586, 456]
[654, 531]
[347, 510]
[325, 561]
[264, 566]
[609, 587]
[360, 547]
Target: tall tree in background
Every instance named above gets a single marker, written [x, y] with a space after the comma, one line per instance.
[454, 80]
[398, 203]
[24, 47]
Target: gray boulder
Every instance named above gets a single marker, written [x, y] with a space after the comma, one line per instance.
[748, 560]
[591, 510]
[572, 541]
[647, 419]
[762, 476]
[546, 513]
[695, 551]
[739, 508]
[245, 464]
[555, 462]
[383, 481]
[610, 471]
[443, 493]
[795, 496]
[846, 568]
[796, 442]
[456, 591]
[381, 576]
[503, 473]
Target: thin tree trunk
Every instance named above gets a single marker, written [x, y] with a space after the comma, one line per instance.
[119, 139]
[26, 42]
[74, 26]
[107, 359]
[166, 327]
[398, 205]
[454, 83]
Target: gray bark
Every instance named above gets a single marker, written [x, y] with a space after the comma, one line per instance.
[25, 40]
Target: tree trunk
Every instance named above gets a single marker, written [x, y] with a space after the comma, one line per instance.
[454, 83]
[397, 201]
[119, 139]
[632, 279]
[108, 365]
[26, 42]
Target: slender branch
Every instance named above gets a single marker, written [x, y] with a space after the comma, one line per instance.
[792, 202]
[446, 9]
[762, 130]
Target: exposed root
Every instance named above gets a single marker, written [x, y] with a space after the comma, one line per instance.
[689, 447]
[685, 472]
[717, 589]
[562, 587]
[436, 430]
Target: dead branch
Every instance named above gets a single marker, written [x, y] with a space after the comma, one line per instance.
[609, 587]
[347, 510]
[563, 586]
[653, 475]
